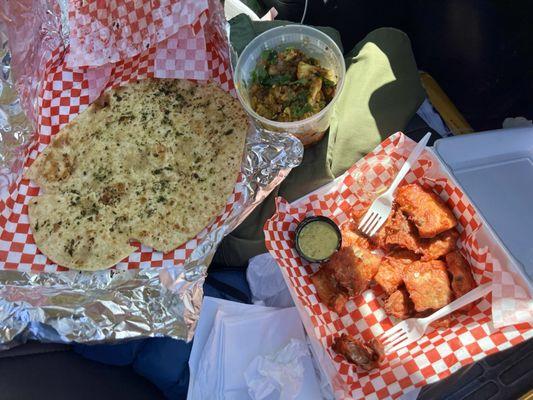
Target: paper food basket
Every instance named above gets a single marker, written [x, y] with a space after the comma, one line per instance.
[498, 321]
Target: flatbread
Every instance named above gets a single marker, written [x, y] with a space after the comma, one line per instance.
[153, 161]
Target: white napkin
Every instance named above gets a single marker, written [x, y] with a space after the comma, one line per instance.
[281, 375]
[233, 338]
[266, 282]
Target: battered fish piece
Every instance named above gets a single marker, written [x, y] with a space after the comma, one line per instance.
[352, 237]
[390, 273]
[403, 257]
[380, 238]
[440, 245]
[328, 291]
[427, 210]
[367, 355]
[462, 279]
[428, 285]
[353, 268]
[399, 304]
[389, 276]
[397, 231]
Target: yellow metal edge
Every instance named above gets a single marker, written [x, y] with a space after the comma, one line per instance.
[444, 106]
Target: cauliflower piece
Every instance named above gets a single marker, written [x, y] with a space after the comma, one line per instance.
[306, 70]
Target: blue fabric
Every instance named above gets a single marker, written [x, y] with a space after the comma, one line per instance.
[164, 361]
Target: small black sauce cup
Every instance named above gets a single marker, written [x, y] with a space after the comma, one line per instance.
[316, 218]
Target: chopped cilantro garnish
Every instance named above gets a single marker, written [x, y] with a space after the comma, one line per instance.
[269, 56]
[260, 74]
[328, 83]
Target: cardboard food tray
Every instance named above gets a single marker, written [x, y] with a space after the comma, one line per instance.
[488, 328]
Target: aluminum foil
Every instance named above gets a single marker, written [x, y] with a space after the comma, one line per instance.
[105, 305]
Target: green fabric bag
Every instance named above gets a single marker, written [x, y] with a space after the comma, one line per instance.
[382, 92]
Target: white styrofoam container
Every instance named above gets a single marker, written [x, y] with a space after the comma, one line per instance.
[495, 170]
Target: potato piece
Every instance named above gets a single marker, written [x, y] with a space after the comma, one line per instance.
[329, 75]
[314, 90]
[305, 70]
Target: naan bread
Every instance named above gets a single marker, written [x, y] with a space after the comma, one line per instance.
[153, 161]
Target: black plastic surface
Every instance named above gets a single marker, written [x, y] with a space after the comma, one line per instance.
[504, 375]
[65, 375]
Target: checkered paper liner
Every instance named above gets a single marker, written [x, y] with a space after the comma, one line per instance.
[103, 32]
[440, 352]
[196, 51]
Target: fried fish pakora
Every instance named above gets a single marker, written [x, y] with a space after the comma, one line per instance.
[440, 245]
[328, 291]
[352, 237]
[462, 279]
[397, 231]
[367, 356]
[399, 304]
[390, 273]
[389, 276]
[428, 285]
[353, 268]
[379, 239]
[427, 210]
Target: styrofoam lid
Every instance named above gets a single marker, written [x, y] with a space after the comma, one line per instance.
[495, 169]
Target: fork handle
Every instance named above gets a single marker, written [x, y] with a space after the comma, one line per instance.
[462, 301]
[409, 163]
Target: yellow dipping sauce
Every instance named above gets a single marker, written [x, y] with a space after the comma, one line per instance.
[318, 240]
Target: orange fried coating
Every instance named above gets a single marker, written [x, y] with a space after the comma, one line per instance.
[427, 210]
[379, 239]
[389, 276]
[399, 304]
[397, 231]
[390, 273]
[352, 237]
[462, 279]
[440, 245]
[428, 285]
[442, 323]
[367, 356]
[353, 268]
[327, 290]
[402, 256]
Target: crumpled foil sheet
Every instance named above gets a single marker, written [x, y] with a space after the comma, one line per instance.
[103, 306]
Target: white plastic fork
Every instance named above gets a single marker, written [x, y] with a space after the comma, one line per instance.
[380, 209]
[412, 329]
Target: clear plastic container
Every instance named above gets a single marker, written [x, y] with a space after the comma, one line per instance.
[314, 44]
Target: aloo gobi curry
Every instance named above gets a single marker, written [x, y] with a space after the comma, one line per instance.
[287, 85]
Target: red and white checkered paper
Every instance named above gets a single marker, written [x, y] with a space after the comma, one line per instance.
[196, 51]
[104, 32]
[439, 353]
